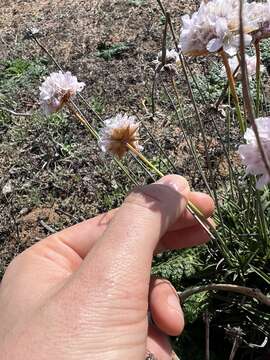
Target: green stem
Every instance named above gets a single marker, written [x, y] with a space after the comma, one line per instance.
[72, 108]
[242, 123]
[183, 126]
[82, 120]
[190, 206]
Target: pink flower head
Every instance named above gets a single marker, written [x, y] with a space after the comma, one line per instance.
[250, 153]
[258, 15]
[214, 27]
[57, 89]
[117, 133]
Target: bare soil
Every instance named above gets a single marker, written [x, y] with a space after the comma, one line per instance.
[57, 177]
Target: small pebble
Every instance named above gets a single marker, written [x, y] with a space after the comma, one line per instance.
[8, 188]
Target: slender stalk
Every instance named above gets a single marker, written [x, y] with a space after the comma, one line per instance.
[164, 41]
[144, 167]
[153, 90]
[258, 77]
[201, 127]
[231, 80]
[163, 62]
[219, 241]
[224, 91]
[46, 51]
[221, 244]
[188, 141]
[161, 150]
[261, 219]
[82, 120]
[145, 160]
[195, 81]
[73, 109]
[198, 215]
[212, 180]
[161, 7]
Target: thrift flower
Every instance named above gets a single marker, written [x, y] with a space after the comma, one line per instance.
[212, 28]
[57, 89]
[259, 15]
[250, 153]
[251, 62]
[117, 133]
[171, 60]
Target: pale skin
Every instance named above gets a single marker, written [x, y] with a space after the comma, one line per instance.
[84, 292]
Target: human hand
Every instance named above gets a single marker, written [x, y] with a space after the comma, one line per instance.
[84, 293]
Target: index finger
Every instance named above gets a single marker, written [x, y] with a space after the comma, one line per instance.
[81, 237]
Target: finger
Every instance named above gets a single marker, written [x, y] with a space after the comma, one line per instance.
[183, 238]
[158, 345]
[124, 252]
[203, 202]
[81, 237]
[165, 307]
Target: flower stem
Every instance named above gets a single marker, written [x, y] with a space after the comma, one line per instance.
[144, 159]
[198, 215]
[242, 123]
[258, 77]
[72, 108]
[82, 120]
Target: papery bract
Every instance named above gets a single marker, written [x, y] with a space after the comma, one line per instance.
[117, 133]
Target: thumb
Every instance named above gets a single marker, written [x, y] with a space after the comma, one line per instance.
[123, 255]
[108, 296]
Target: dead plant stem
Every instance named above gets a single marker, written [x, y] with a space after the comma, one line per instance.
[249, 292]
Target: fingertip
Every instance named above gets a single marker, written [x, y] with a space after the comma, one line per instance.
[176, 182]
[165, 307]
[204, 202]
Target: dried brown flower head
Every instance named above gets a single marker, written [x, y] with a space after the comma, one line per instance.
[117, 133]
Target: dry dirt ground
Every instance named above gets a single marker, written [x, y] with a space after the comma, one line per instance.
[51, 174]
[55, 177]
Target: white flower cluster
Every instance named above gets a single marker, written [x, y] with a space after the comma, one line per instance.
[215, 26]
[117, 133]
[250, 153]
[258, 14]
[57, 89]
